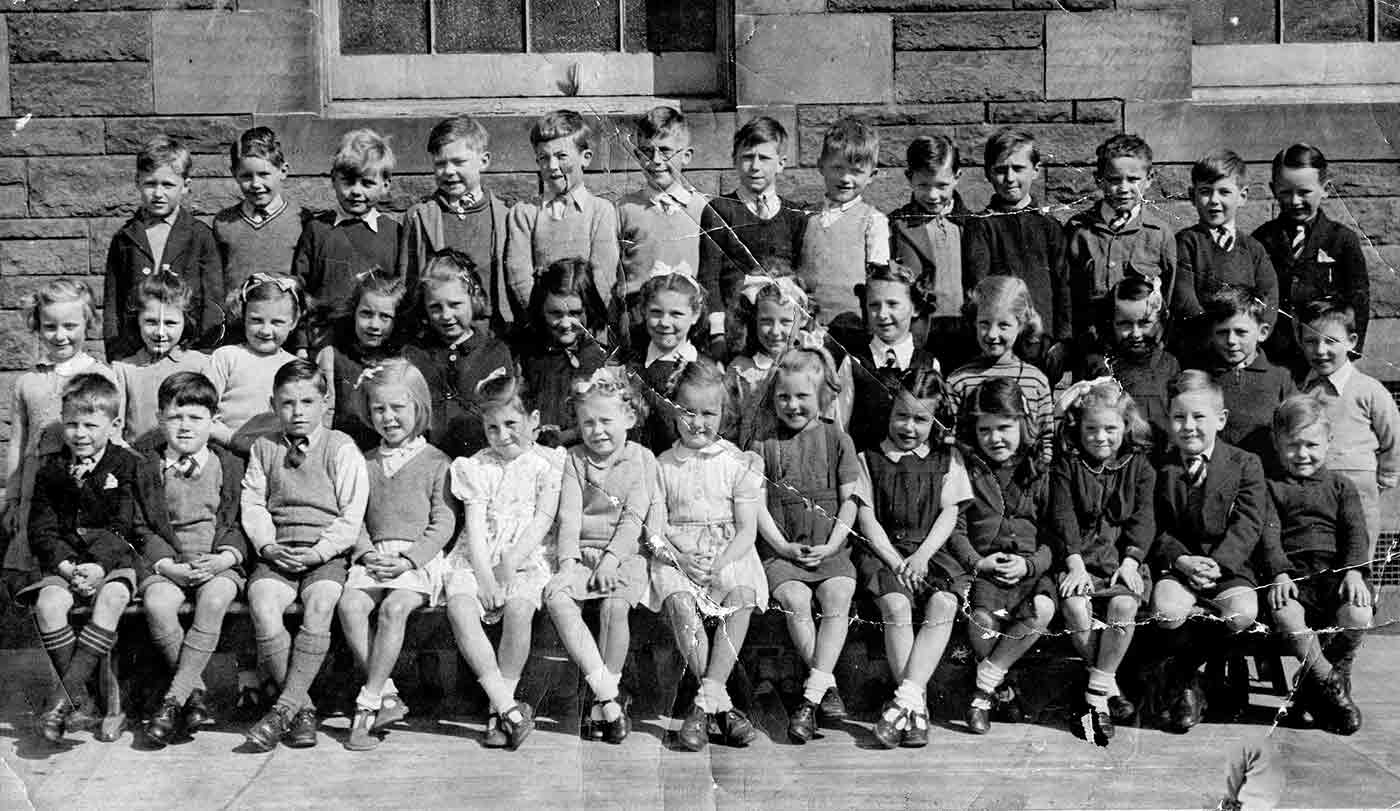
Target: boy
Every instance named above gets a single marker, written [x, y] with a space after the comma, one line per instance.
[1251, 385]
[1213, 253]
[1315, 258]
[846, 235]
[567, 221]
[460, 215]
[1120, 236]
[1211, 505]
[1319, 565]
[193, 543]
[1365, 421]
[1014, 237]
[661, 221]
[260, 233]
[337, 246]
[163, 237]
[750, 231]
[304, 496]
[80, 530]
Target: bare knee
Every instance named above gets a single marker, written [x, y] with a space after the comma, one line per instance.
[614, 611]
[1355, 617]
[354, 605]
[835, 596]
[895, 608]
[216, 595]
[52, 607]
[941, 607]
[1078, 617]
[1043, 610]
[681, 608]
[396, 608]
[1121, 609]
[795, 598]
[162, 602]
[1289, 618]
[317, 607]
[112, 598]
[742, 597]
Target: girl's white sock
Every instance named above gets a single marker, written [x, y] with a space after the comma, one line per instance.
[497, 691]
[711, 696]
[390, 689]
[369, 701]
[989, 676]
[818, 682]
[910, 696]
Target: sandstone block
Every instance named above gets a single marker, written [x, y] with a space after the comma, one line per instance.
[1018, 112]
[51, 136]
[212, 134]
[883, 115]
[917, 5]
[1098, 112]
[1124, 54]
[202, 62]
[816, 58]
[43, 229]
[937, 76]
[44, 257]
[1181, 132]
[81, 88]
[969, 31]
[82, 187]
[106, 37]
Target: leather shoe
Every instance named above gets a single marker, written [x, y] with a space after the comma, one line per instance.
[111, 728]
[163, 725]
[265, 734]
[517, 723]
[496, 737]
[1120, 709]
[361, 739]
[197, 712]
[1187, 708]
[732, 727]
[692, 734]
[53, 721]
[891, 724]
[832, 708]
[979, 713]
[302, 734]
[616, 731]
[1340, 713]
[802, 724]
[916, 736]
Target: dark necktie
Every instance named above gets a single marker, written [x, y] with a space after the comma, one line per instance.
[81, 468]
[1224, 238]
[1300, 235]
[1196, 471]
[296, 454]
[891, 360]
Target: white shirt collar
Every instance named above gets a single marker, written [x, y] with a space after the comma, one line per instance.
[172, 458]
[1339, 378]
[370, 217]
[78, 363]
[677, 195]
[1109, 215]
[575, 197]
[895, 454]
[1228, 228]
[1207, 454]
[763, 361]
[903, 351]
[686, 352]
[827, 205]
[393, 459]
[769, 197]
[717, 447]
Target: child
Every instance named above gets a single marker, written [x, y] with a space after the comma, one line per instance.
[1321, 565]
[80, 531]
[460, 214]
[1210, 509]
[926, 237]
[161, 318]
[672, 304]
[997, 538]
[706, 566]
[1315, 257]
[243, 374]
[813, 499]
[409, 518]
[258, 234]
[335, 247]
[846, 235]
[1134, 356]
[304, 496]
[60, 316]
[452, 353]
[370, 330]
[505, 552]
[566, 313]
[163, 235]
[609, 497]
[1213, 253]
[1013, 236]
[1001, 314]
[886, 358]
[567, 220]
[1250, 384]
[918, 484]
[1101, 491]
[1365, 444]
[751, 228]
[661, 221]
[1118, 237]
[192, 542]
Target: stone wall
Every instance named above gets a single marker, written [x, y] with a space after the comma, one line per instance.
[85, 81]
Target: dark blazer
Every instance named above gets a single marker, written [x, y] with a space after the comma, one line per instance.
[1103, 517]
[1311, 277]
[1232, 514]
[91, 522]
[190, 252]
[154, 535]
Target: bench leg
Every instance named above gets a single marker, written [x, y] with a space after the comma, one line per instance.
[114, 720]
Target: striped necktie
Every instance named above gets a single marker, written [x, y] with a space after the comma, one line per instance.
[1224, 238]
[1299, 237]
[1196, 471]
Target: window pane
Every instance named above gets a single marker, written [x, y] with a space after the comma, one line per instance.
[1326, 20]
[480, 26]
[1389, 21]
[573, 25]
[662, 26]
[383, 27]
[1239, 22]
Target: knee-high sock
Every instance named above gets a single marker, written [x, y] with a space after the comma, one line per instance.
[308, 654]
[59, 645]
[273, 655]
[93, 644]
[199, 646]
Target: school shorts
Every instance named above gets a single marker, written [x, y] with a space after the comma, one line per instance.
[332, 571]
[1318, 584]
[1010, 603]
[1103, 592]
[29, 595]
[233, 575]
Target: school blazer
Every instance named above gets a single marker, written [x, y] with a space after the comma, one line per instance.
[1098, 258]
[422, 237]
[1330, 264]
[155, 536]
[91, 522]
[190, 252]
[1234, 511]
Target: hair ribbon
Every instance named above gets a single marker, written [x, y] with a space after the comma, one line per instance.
[496, 374]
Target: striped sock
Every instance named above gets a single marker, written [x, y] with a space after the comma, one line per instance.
[989, 676]
[59, 646]
[1097, 693]
[93, 643]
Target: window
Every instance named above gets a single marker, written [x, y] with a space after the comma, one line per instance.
[417, 50]
[1296, 50]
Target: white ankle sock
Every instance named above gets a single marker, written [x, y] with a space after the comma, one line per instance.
[910, 696]
[989, 676]
[818, 682]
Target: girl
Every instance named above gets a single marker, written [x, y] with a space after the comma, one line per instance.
[161, 302]
[918, 482]
[672, 302]
[566, 314]
[409, 518]
[1134, 355]
[1001, 314]
[707, 564]
[1101, 491]
[242, 374]
[608, 499]
[812, 504]
[504, 554]
[367, 333]
[886, 359]
[61, 315]
[452, 353]
[1012, 598]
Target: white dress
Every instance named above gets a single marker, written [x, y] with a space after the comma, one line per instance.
[702, 487]
[510, 491]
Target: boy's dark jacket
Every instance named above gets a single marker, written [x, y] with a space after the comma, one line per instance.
[154, 534]
[91, 522]
[1234, 512]
[191, 253]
